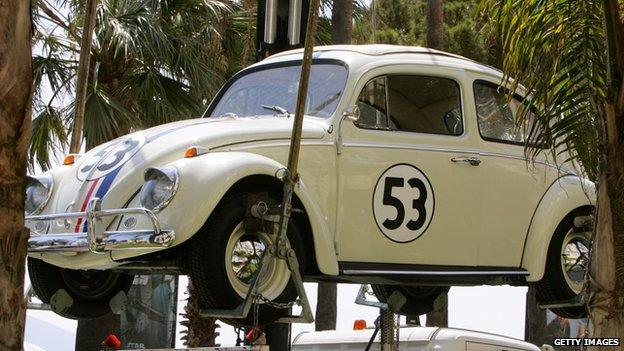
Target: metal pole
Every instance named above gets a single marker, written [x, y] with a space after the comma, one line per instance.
[306, 64]
[387, 325]
[291, 177]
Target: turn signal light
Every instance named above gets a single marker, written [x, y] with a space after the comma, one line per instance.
[69, 159]
[359, 324]
[193, 151]
[190, 152]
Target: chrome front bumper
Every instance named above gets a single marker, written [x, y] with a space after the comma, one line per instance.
[96, 239]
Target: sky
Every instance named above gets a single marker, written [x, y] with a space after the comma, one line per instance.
[493, 309]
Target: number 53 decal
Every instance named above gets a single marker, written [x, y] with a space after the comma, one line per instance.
[403, 203]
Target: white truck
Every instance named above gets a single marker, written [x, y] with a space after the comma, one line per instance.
[412, 339]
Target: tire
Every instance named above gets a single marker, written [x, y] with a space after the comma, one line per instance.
[90, 290]
[214, 277]
[557, 284]
[420, 299]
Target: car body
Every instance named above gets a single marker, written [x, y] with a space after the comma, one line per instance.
[438, 202]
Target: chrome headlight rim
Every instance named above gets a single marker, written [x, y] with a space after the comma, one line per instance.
[172, 174]
[47, 182]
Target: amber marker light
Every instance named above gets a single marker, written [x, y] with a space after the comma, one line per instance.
[194, 151]
[190, 152]
[359, 324]
[69, 159]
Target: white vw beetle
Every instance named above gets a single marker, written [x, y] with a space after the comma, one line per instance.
[413, 178]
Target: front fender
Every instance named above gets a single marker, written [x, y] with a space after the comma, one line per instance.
[565, 195]
[204, 180]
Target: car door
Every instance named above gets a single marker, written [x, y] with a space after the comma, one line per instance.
[408, 192]
[514, 186]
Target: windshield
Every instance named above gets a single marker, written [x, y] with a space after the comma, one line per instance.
[269, 90]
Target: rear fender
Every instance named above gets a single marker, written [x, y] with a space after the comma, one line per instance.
[564, 196]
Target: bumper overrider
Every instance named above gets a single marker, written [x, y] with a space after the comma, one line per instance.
[96, 239]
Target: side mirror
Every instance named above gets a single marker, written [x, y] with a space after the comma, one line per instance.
[351, 113]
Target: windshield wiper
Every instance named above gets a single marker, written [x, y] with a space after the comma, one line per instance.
[276, 108]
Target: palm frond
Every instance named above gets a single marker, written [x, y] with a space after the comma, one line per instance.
[556, 49]
[105, 118]
[48, 137]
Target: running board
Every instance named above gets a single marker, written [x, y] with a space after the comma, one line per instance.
[358, 268]
[433, 273]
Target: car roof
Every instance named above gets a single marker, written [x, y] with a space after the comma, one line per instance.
[375, 50]
[359, 55]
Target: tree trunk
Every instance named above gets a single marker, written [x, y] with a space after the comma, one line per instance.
[535, 320]
[439, 316]
[606, 283]
[325, 318]
[435, 24]
[200, 331]
[83, 76]
[341, 22]
[15, 109]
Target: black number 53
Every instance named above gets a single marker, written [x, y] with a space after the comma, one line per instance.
[418, 204]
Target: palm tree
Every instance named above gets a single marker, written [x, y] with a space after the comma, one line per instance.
[152, 62]
[342, 21]
[570, 56]
[15, 93]
[435, 24]
[200, 331]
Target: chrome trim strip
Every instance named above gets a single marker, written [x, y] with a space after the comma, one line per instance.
[431, 273]
[113, 240]
[410, 147]
[269, 143]
[94, 239]
[514, 157]
[449, 150]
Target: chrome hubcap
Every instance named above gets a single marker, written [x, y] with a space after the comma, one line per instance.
[575, 259]
[244, 252]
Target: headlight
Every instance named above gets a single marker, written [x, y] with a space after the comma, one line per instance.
[38, 192]
[160, 185]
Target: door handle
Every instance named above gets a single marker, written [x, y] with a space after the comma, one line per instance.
[473, 161]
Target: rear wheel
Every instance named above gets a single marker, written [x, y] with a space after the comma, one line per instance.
[420, 299]
[224, 258]
[90, 290]
[566, 265]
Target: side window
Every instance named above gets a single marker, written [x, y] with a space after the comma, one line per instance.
[497, 115]
[411, 103]
[424, 105]
[372, 104]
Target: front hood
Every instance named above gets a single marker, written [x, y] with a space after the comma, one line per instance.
[124, 160]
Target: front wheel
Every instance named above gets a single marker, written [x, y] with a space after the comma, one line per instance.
[419, 299]
[566, 265]
[90, 290]
[224, 258]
